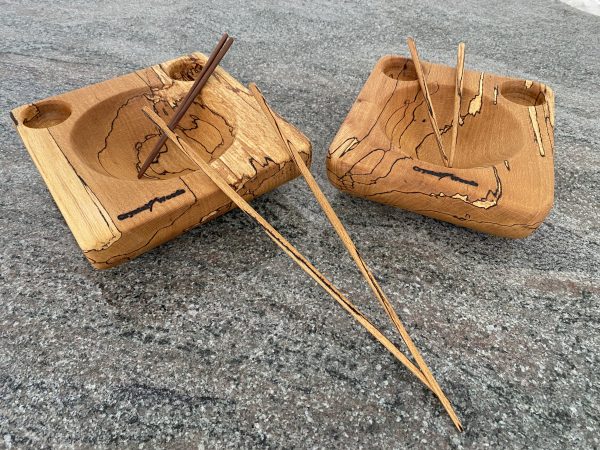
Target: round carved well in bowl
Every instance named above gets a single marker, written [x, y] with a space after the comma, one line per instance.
[489, 132]
[114, 137]
[183, 69]
[523, 93]
[402, 69]
[45, 114]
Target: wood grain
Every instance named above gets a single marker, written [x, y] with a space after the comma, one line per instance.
[502, 179]
[357, 258]
[88, 145]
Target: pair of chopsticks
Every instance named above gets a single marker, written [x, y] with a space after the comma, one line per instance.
[460, 68]
[422, 372]
[423, 375]
[358, 260]
[207, 70]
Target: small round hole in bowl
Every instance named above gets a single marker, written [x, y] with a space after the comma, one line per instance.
[403, 69]
[185, 69]
[46, 114]
[526, 93]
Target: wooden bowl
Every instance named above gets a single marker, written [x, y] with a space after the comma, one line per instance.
[502, 179]
[88, 145]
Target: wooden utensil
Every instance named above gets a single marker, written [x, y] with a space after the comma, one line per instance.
[427, 97]
[458, 86]
[207, 69]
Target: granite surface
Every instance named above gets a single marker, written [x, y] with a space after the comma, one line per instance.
[216, 338]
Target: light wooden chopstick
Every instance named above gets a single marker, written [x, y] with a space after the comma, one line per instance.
[351, 247]
[423, 83]
[458, 87]
[288, 248]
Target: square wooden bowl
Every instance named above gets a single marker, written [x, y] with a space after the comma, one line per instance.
[502, 180]
[88, 145]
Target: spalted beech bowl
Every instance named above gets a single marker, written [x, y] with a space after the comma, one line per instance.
[88, 145]
[502, 179]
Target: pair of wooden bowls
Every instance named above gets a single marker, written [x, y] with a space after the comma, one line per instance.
[88, 144]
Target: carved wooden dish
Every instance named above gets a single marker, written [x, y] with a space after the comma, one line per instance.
[88, 145]
[502, 179]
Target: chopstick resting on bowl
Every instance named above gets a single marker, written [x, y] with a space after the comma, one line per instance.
[209, 67]
[423, 84]
[458, 87]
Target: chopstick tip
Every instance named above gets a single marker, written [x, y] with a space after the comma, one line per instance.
[253, 87]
